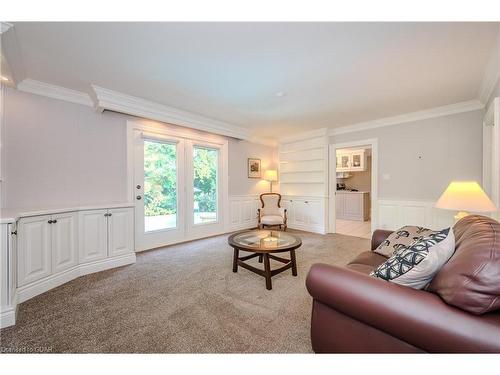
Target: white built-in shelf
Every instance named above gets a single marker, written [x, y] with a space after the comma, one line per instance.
[301, 182]
[309, 171]
[300, 161]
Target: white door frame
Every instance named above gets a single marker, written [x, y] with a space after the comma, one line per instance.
[160, 130]
[491, 153]
[332, 180]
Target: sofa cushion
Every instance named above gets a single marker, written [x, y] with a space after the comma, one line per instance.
[415, 265]
[404, 236]
[366, 262]
[471, 278]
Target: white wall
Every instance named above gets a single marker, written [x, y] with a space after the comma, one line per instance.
[239, 152]
[422, 157]
[63, 154]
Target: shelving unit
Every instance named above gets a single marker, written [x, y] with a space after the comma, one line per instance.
[303, 176]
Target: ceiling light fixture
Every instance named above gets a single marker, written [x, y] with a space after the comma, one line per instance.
[280, 94]
[4, 79]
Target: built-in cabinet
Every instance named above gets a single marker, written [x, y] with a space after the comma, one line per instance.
[305, 213]
[47, 244]
[55, 248]
[351, 205]
[351, 160]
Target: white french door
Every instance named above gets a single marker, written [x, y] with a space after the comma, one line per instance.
[178, 188]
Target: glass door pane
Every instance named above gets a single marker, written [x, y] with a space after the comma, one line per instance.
[160, 185]
[205, 181]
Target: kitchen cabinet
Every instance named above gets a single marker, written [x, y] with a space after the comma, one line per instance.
[351, 161]
[351, 205]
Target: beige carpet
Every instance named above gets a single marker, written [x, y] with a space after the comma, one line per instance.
[182, 298]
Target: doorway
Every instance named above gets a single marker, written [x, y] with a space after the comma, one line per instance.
[353, 188]
[178, 188]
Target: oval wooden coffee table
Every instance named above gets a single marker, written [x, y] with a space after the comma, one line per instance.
[263, 243]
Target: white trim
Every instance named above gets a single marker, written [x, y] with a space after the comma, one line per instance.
[302, 136]
[491, 74]
[263, 141]
[471, 105]
[41, 286]
[332, 186]
[395, 213]
[8, 317]
[4, 26]
[55, 92]
[131, 105]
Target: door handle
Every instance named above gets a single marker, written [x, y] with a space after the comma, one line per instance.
[138, 197]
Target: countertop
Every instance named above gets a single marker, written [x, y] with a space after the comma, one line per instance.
[352, 192]
[10, 215]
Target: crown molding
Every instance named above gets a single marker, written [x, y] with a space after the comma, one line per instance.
[323, 132]
[4, 26]
[263, 141]
[491, 74]
[131, 105]
[471, 105]
[55, 92]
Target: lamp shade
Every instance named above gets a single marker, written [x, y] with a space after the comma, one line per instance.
[271, 175]
[465, 196]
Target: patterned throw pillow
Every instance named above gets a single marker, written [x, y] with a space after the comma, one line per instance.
[404, 236]
[416, 265]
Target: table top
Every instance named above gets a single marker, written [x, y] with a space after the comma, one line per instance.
[265, 241]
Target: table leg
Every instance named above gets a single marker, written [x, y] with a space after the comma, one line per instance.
[294, 262]
[267, 272]
[235, 260]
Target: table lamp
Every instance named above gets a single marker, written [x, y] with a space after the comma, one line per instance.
[464, 196]
[271, 175]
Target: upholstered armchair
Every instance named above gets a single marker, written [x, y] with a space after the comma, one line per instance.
[271, 214]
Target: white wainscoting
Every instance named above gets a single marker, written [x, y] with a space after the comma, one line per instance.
[393, 214]
[243, 211]
[304, 212]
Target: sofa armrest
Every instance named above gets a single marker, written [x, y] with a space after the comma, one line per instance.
[379, 236]
[417, 317]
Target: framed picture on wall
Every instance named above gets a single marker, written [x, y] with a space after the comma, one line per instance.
[254, 168]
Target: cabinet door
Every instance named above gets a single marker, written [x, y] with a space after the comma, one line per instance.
[64, 241]
[300, 212]
[120, 231]
[93, 235]
[315, 213]
[353, 207]
[345, 161]
[34, 249]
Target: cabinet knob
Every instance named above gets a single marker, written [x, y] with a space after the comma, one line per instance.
[110, 214]
[306, 202]
[54, 221]
[50, 221]
[138, 197]
[138, 187]
[13, 232]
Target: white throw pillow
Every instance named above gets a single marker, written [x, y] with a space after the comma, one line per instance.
[400, 238]
[416, 265]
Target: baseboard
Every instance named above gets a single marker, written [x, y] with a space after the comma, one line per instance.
[9, 315]
[307, 228]
[41, 286]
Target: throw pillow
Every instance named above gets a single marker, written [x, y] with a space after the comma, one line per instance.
[416, 265]
[403, 237]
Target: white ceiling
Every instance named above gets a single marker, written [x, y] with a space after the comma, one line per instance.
[333, 74]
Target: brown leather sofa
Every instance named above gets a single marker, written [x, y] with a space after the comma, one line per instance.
[457, 313]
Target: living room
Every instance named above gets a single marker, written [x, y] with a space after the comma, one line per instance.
[249, 187]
